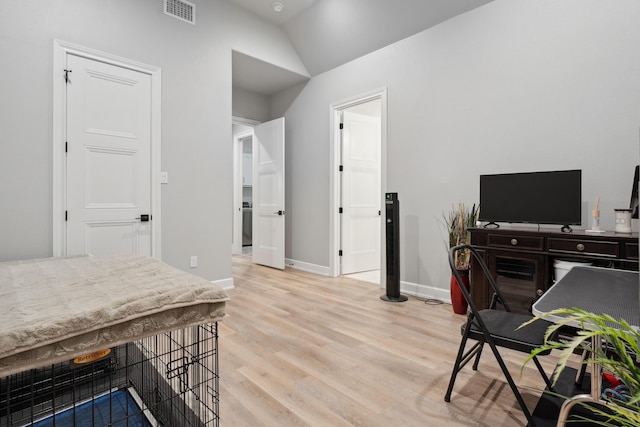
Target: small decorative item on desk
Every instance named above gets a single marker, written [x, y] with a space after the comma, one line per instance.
[623, 220]
[595, 214]
[457, 222]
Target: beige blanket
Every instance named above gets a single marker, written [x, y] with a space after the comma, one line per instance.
[55, 309]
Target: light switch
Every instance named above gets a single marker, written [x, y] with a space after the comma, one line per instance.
[164, 177]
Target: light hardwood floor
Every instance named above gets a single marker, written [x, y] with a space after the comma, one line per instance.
[298, 349]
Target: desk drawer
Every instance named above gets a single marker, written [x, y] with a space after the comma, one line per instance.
[514, 241]
[591, 247]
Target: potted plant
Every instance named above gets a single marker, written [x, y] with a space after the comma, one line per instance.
[618, 357]
[457, 222]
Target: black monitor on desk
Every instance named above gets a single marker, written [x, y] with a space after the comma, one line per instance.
[633, 204]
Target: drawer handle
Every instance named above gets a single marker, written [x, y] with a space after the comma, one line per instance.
[580, 247]
[514, 242]
[539, 292]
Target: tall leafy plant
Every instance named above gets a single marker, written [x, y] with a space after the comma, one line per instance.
[457, 222]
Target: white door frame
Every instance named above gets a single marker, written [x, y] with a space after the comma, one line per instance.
[238, 172]
[334, 176]
[60, 51]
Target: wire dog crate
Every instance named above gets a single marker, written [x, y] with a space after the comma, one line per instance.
[170, 379]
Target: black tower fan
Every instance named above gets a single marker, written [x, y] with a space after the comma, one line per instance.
[392, 211]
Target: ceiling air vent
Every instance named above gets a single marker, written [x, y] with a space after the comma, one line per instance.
[183, 10]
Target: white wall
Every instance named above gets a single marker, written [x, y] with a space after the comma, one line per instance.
[196, 113]
[515, 85]
[250, 105]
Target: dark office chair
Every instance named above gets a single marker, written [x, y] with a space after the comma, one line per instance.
[497, 328]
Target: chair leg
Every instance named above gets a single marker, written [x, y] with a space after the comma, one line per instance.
[456, 367]
[583, 368]
[513, 386]
[462, 358]
[477, 361]
[543, 374]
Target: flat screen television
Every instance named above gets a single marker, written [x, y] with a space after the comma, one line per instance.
[552, 197]
[633, 204]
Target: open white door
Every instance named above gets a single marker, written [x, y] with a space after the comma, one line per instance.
[361, 197]
[268, 194]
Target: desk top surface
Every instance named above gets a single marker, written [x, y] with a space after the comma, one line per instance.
[597, 290]
[556, 232]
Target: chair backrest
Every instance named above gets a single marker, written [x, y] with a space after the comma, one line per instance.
[497, 295]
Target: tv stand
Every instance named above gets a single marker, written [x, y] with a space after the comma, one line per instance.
[522, 259]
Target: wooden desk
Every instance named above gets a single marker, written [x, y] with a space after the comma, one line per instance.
[522, 259]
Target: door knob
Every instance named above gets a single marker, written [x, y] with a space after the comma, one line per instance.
[144, 217]
[279, 213]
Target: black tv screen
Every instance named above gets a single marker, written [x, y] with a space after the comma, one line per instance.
[633, 204]
[553, 197]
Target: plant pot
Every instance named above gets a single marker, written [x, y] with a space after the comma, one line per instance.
[458, 302]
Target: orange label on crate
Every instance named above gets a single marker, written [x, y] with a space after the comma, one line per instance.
[91, 357]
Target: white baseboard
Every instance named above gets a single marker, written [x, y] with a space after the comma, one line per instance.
[425, 292]
[226, 284]
[308, 267]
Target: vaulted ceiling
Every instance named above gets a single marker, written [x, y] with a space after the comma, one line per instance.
[329, 33]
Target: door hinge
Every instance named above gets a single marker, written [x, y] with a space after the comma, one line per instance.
[340, 252]
[341, 168]
[66, 146]
[339, 210]
[66, 75]
[66, 215]
[341, 126]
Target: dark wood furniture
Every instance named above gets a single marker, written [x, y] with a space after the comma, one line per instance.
[521, 260]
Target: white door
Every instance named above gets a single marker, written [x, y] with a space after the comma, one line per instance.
[361, 197]
[108, 159]
[268, 194]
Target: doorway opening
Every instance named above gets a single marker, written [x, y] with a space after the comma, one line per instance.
[358, 159]
[242, 236]
[247, 194]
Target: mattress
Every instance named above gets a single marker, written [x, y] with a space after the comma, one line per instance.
[55, 309]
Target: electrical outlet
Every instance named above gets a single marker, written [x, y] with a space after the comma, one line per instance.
[194, 261]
